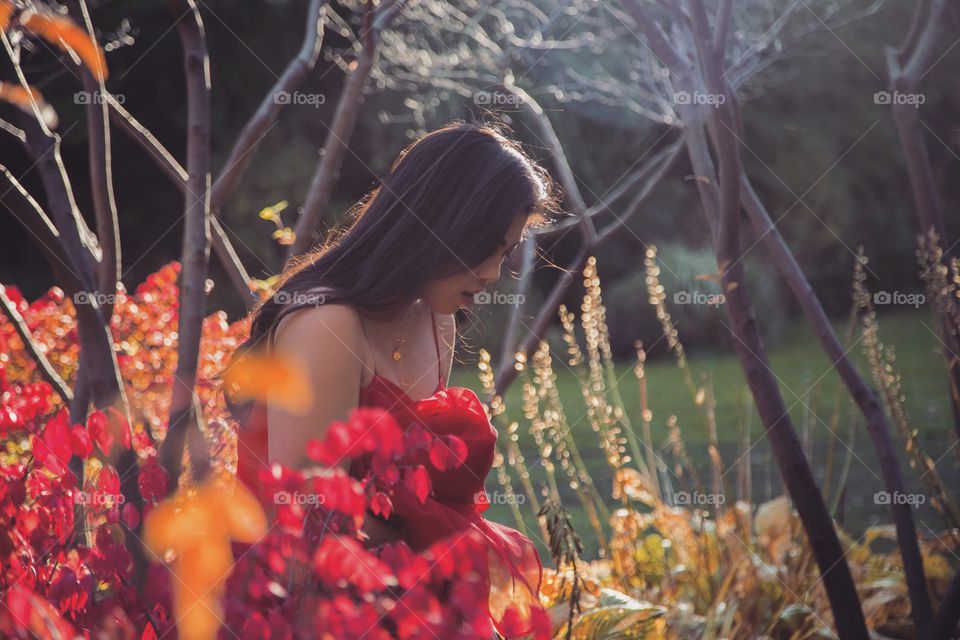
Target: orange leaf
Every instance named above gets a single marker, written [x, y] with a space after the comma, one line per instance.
[17, 95]
[198, 526]
[63, 33]
[6, 10]
[280, 381]
[241, 512]
[198, 617]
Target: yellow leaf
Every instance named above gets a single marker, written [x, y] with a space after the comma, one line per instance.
[284, 236]
[63, 33]
[272, 213]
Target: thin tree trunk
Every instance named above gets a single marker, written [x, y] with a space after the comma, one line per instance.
[865, 397]
[906, 66]
[196, 247]
[101, 173]
[944, 624]
[724, 123]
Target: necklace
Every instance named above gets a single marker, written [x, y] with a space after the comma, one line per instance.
[402, 336]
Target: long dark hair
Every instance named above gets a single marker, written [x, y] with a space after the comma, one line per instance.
[444, 207]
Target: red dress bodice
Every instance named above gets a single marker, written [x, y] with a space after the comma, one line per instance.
[457, 498]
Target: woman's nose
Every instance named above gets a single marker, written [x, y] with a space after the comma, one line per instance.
[489, 270]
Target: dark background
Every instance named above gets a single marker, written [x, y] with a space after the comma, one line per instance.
[801, 115]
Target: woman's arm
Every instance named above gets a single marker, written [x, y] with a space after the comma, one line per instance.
[328, 342]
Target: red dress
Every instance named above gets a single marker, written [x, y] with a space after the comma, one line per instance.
[455, 505]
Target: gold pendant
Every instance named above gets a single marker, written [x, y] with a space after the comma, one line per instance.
[396, 353]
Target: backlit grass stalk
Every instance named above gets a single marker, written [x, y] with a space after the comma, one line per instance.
[495, 410]
[713, 449]
[575, 361]
[653, 463]
[596, 392]
[682, 459]
[943, 289]
[557, 432]
[503, 477]
[882, 367]
[591, 282]
[853, 418]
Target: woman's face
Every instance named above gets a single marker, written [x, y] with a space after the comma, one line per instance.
[446, 295]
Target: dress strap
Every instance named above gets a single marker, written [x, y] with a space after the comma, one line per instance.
[436, 343]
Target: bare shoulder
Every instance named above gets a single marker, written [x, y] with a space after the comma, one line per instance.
[328, 328]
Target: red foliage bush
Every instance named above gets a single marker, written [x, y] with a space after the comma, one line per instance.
[308, 577]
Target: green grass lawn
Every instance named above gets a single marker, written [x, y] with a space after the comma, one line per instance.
[808, 385]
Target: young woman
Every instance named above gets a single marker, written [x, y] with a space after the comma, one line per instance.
[370, 316]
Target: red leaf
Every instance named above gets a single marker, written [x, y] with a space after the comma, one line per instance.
[120, 427]
[105, 430]
[448, 452]
[53, 449]
[130, 515]
[334, 447]
[381, 505]
[417, 480]
[153, 482]
[99, 428]
[80, 441]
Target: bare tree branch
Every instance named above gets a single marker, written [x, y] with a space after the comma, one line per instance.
[341, 128]
[266, 114]
[506, 373]
[178, 176]
[916, 54]
[944, 624]
[567, 179]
